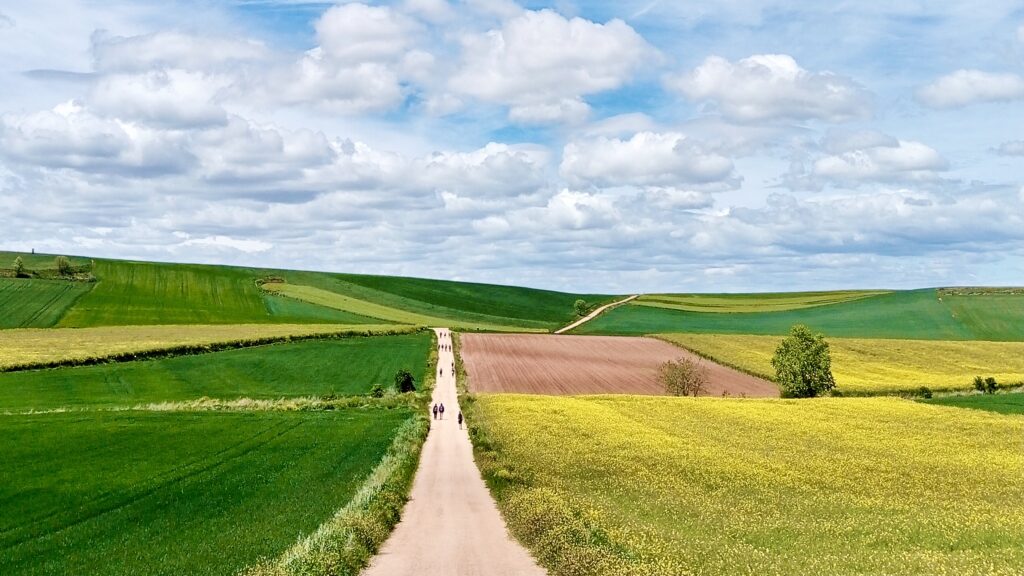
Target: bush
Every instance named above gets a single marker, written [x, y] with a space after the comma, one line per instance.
[64, 266]
[580, 307]
[803, 365]
[19, 267]
[377, 391]
[404, 382]
[986, 385]
[924, 392]
[683, 377]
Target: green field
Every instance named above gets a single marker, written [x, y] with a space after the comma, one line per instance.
[843, 486]
[344, 367]
[36, 261]
[873, 366]
[912, 314]
[1008, 403]
[745, 303]
[31, 303]
[147, 493]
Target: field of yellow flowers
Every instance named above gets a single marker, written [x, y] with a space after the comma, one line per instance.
[875, 366]
[660, 486]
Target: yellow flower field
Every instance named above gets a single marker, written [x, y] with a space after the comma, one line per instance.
[642, 485]
[863, 365]
[34, 346]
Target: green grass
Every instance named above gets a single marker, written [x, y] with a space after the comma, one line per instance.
[36, 261]
[1007, 403]
[344, 367]
[765, 302]
[912, 314]
[609, 485]
[31, 303]
[200, 493]
[299, 311]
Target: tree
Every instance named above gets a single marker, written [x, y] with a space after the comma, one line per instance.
[19, 267]
[683, 377]
[986, 385]
[64, 266]
[377, 391]
[803, 365]
[580, 307]
[404, 382]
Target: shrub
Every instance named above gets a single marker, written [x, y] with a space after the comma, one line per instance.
[64, 266]
[19, 267]
[986, 385]
[404, 382]
[924, 392]
[580, 307]
[803, 365]
[377, 391]
[683, 377]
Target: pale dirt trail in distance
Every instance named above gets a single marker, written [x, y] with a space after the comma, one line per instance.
[594, 314]
[548, 364]
[451, 525]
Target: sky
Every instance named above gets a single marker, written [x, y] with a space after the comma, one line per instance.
[608, 146]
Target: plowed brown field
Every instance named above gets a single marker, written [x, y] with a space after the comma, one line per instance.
[546, 364]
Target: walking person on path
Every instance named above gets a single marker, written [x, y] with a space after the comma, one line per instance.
[460, 419]
[435, 411]
[441, 410]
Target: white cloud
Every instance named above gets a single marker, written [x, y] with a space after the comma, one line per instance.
[219, 241]
[357, 33]
[965, 87]
[541, 63]
[146, 52]
[772, 86]
[646, 159]
[494, 170]
[174, 98]
[568, 111]
[856, 157]
[1011, 148]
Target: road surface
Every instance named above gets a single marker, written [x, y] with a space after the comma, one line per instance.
[594, 314]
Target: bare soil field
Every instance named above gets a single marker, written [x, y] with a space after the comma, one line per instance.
[548, 364]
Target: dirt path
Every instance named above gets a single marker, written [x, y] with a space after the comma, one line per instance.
[594, 314]
[451, 525]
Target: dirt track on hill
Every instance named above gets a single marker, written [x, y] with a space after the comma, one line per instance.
[547, 364]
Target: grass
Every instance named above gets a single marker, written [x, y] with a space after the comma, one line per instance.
[31, 347]
[344, 367]
[1006, 403]
[871, 366]
[149, 493]
[31, 303]
[371, 309]
[745, 303]
[638, 485]
[912, 314]
[38, 261]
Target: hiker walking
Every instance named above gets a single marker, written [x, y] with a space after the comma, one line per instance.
[460, 419]
[441, 410]
[435, 411]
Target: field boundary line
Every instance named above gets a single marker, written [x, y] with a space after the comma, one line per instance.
[595, 314]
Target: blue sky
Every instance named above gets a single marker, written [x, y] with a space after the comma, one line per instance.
[613, 146]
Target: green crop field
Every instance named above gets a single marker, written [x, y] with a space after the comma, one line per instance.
[36, 347]
[344, 367]
[767, 302]
[31, 303]
[36, 261]
[641, 485]
[148, 493]
[1008, 403]
[913, 314]
[872, 366]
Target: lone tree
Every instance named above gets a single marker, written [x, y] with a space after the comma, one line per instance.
[803, 366]
[64, 266]
[580, 307]
[19, 267]
[404, 382]
[683, 377]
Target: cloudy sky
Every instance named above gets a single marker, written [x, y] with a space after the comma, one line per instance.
[612, 146]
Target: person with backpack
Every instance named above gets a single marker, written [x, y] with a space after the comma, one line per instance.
[435, 411]
[460, 419]
[441, 410]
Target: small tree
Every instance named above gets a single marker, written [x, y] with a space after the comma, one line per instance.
[683, 377]
[986, 385]
[19, 267]
[803, 365]
[580, 307]
[404, 382]
[377, 391]
[63, 266]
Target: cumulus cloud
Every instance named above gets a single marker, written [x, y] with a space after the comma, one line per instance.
[772, 86]
[1011, 148]
[494, 170]
[965, 87]
[356, 33]
[646, 159]
[853, 158]
[173, 98]
[145, 52]
[542, 63]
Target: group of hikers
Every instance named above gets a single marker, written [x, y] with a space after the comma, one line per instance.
[445, 345]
